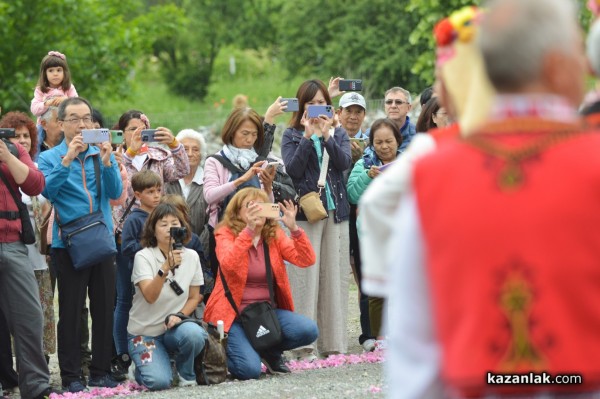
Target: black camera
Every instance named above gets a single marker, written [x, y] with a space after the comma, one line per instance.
[178, 235]
[7, 133]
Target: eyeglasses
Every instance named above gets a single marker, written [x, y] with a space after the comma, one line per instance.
[86, 119]
[397, 102]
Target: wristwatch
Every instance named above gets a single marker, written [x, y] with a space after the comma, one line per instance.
[161, 273]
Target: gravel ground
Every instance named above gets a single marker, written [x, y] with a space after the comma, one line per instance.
[362, 380]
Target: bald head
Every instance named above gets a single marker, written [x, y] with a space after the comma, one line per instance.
[516, 36]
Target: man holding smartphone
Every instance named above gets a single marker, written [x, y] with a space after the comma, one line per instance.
[72, 187]
[352, 112]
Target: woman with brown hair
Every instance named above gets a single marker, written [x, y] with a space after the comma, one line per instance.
[321, 292]
[243, 136]
[243, 238]
[167, 290]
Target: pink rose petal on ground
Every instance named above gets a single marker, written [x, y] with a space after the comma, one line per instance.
[374, 389]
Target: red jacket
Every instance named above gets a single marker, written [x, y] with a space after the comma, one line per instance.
[514, 270]
[32, 186]
[232, 253]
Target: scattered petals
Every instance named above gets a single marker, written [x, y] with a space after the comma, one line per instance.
[374, 389]
[337, 361]
[126, 389]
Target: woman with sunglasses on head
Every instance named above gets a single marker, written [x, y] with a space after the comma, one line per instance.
[321, 292]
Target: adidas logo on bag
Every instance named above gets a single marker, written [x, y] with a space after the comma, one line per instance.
[261, 331]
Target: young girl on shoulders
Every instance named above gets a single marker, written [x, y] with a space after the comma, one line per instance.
[54, 84]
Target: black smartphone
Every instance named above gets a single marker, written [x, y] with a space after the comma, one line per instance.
[350, 85]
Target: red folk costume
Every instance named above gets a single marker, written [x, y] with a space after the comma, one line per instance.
[509, 219]
[232, 252]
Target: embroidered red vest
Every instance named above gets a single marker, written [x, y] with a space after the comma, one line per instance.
[511, 228]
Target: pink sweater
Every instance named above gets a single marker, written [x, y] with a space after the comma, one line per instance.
[216, 187]
[37, 104]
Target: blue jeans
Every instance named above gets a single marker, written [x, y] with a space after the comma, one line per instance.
[244, 362]
[124, 301]
[151, 355]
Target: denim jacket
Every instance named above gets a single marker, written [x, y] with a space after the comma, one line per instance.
[301, 163]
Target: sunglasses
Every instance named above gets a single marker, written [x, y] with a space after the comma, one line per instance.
[397, 102]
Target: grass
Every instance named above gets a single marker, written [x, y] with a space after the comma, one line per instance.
[151, 95]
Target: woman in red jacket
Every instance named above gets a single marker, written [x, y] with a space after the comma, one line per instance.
[240, 238]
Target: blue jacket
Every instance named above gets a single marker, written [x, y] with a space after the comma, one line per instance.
[302, 164]
[73, 190]
[132, 234]
[408, 131]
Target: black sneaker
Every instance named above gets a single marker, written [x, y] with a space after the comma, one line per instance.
[119, 367]
[276, 365]
[105, 381]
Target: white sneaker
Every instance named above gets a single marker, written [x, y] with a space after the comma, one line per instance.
[185, 383]
[369, 345]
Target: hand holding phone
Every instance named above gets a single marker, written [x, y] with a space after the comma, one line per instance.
[350, 85]
[292, 104]
[148, 135]
[266, 165]
[361, 142]
[268, 210]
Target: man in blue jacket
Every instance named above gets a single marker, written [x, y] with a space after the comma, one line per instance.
[72, 187]
[397, 105]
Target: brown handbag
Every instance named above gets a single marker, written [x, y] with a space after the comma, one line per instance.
[43, 244]
[312, 207]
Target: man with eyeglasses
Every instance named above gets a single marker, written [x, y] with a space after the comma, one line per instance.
[72, 187]
[397, 105]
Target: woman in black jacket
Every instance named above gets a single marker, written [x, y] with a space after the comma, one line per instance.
[321, 292]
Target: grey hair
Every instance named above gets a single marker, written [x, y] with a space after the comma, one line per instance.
[49, 113]
[593, 47]
[516, 34]
[403, 91]
[194, 135]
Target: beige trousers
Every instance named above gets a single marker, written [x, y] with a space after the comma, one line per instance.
[320, 292]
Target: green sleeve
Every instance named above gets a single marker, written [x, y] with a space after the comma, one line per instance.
[357, 182]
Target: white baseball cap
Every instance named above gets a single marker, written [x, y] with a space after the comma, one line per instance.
[352, 98]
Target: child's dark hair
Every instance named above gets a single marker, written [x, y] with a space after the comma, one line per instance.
[52, 61]
[162, 211]
[145, 179]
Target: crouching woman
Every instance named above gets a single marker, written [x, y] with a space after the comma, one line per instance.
[167, 289]
[240, 239]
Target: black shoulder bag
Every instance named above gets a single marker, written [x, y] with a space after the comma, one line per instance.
[259, 319]
[27, 233]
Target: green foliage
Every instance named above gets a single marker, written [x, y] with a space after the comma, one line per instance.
[100, 45]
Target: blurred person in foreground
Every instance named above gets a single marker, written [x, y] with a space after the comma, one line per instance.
[482, 291]
[464, 90]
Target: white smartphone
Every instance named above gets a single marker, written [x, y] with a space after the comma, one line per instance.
[91, 136]
[270, 165]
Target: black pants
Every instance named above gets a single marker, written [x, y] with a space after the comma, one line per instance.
[8, 376]
[99, 283]
[363, 304]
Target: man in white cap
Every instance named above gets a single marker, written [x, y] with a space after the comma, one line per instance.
[351, 112]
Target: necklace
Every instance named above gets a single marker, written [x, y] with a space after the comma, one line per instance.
[511, 176]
